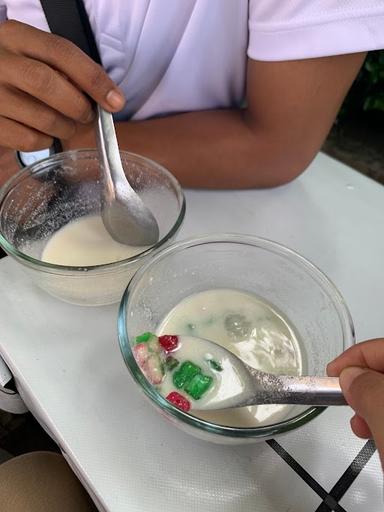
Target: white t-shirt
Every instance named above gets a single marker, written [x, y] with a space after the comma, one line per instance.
[173, 56]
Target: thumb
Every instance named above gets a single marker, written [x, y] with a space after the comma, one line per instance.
[364, 391]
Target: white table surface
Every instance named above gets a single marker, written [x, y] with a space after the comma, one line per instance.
[67, 364]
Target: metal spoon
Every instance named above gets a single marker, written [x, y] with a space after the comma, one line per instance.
[124, 214]
[240, 385]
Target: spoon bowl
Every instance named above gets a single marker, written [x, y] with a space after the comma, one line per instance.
[236, 384]
[124, 214]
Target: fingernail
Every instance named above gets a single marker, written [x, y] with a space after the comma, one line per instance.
[330, 370]
[348, 375]
[115, 99]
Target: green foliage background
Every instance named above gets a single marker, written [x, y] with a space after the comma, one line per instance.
[367, 93]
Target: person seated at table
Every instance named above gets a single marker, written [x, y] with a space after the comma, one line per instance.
[226, 94]
[43, 482]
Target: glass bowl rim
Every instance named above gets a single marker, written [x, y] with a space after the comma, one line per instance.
[56, 159]
[160, 402]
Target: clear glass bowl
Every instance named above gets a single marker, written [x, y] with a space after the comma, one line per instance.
[45, 196]
[301, 292]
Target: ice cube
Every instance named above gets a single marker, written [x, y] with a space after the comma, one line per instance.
[238, 326]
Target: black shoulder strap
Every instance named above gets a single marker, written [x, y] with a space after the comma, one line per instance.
[69, 19]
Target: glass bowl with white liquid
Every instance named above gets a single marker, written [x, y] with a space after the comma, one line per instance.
[50, 223]
[263, 301]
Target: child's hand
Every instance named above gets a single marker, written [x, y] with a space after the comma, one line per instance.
[361, 371]
[45, 82]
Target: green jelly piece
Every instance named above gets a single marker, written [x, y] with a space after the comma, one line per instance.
[171, 363]
[144, 337]
[215, 365]
[198, 386]
[185, 373]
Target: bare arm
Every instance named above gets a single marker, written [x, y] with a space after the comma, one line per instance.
[291, 107]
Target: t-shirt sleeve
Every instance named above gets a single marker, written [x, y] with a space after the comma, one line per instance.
[301, 29]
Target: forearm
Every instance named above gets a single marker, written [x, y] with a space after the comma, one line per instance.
[210, 149]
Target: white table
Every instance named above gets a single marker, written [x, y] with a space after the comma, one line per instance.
[67, 365]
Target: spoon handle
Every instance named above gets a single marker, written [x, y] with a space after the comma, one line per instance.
[280, 389]
[113, 172]
[320, 391]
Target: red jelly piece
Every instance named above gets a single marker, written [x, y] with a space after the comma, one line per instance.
[179, 401]
[169, 342]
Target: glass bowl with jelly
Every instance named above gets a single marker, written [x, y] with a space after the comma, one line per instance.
[261, 300]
